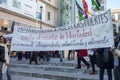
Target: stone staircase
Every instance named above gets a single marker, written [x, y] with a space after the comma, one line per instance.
[53, 70]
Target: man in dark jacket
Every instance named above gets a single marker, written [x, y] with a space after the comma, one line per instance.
[2, 59]
[105, 60]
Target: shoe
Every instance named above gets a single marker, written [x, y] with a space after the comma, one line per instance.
[92, 73]
[78, 67]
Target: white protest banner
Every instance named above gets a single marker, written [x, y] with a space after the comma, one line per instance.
[95, 32]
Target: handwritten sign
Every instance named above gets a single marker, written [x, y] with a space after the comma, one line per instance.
[95, 32]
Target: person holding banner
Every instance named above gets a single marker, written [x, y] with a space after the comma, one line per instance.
[6, 69]
[33, 57]
[117, 60]
[80, 54]
[105, 60]
[3, 55]
[69, 54]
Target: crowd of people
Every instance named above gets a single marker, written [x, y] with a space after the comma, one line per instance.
[34, 56]
[105, 58]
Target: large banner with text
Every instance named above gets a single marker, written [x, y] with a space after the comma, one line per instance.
[94, 32]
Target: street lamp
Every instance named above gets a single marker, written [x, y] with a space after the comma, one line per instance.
[41, 8]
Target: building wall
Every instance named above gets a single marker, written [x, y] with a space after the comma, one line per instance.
[67, 10]
[52, 6]
[116, 18]
[22, 20]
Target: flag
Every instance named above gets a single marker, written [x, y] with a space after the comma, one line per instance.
[85, 6]
[81, 17]
[79, 8]
[96, 4]
[80, 12]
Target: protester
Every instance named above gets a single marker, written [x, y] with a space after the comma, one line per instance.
[73, 55]
[6, 69]
[60, 56]
[2, 55]
[41, 55]
[92, 57]
[33, 57]
[80, 54]
[69, 54]
[47, 56]
[105, 60]
[19, 55]
[117, 63]
[116, 67]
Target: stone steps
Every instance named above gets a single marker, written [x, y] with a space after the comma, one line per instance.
[53, 74]
[18, 77]
[47, 63]
[47, 67]
[52, 70]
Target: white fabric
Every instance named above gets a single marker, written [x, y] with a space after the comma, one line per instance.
[117, 51]
[90, 52]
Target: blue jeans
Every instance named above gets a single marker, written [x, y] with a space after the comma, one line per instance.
[117, 73]
[8, 73]
[0, 74]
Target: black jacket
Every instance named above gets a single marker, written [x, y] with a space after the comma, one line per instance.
[100, 59]
[2, 54]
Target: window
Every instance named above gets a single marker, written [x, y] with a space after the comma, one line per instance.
[38, 15]
[17, 4]
[113, 18]
[48, 15]
[3, 1]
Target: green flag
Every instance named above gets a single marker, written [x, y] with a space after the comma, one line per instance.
[80, 12]
[94, 3]
[81, 17]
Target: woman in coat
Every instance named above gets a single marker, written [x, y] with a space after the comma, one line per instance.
[2, 55]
